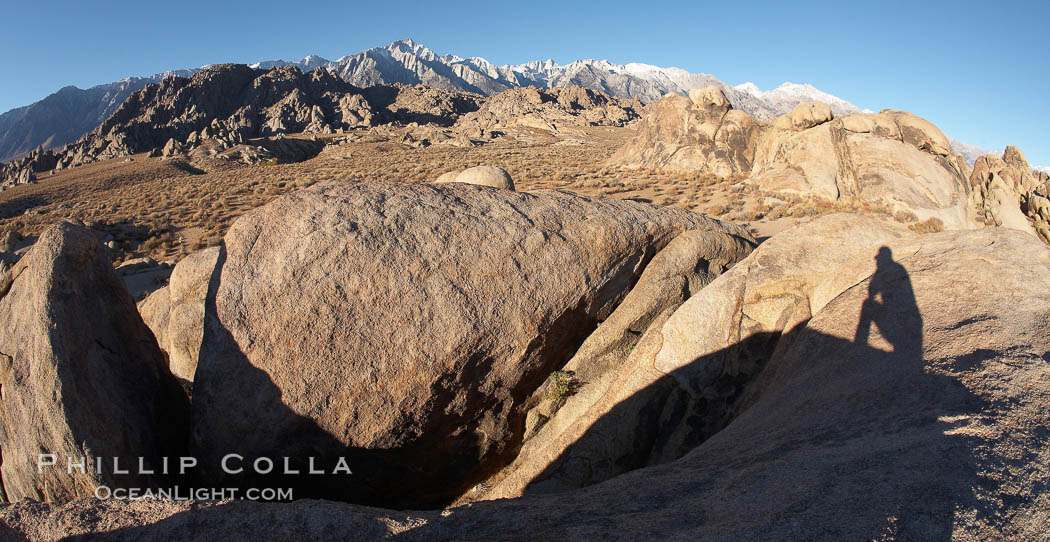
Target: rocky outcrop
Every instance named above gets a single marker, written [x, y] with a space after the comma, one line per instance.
[9, 240]
[901, 400]
[893, 158]
[422, 104]
[175, 313]
[803, 116]
[595, 379]
[702, 132]
[553, 110]
[222, 105]
[460, 301]
[66, 115]
[219, 109]
[25, 169]
[81, 378]
[1007, 193]
[683, 372]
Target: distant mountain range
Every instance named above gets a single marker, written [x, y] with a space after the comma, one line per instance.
[971, 152]
[66, 115]
[405, 61]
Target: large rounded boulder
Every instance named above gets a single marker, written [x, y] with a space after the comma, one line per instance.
[906, 401]
[486, 176]
[399, 329]
[82, 381]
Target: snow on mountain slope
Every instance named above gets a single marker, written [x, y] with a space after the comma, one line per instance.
[785, 97]
[406, 61]
[971, 152]
[750, 88]
[67, 114]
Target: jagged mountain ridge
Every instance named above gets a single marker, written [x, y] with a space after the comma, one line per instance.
[221, 108]
[785, 97]
[405, 61]
[64, 116]
[972, 152]
[70, 113]
[227, 102]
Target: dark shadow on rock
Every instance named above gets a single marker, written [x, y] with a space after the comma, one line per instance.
[663, 421]
[891, 306]
[862, 426]
[421, 473]
[255, 385]
[290, 150]
[407, 476]
[8, 534]
[668, 419]
[381, 97]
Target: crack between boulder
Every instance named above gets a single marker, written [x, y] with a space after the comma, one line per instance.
[5, 369]
[8, 279]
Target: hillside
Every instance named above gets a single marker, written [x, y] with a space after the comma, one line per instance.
[71, 112]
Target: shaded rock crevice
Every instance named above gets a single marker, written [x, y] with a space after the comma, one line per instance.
[425, 390]
[5, 373]
[601, 374]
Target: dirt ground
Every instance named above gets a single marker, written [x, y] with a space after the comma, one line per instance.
[165, 208]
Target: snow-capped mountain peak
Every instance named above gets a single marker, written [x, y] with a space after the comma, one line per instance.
[788, 94]
[750, 88]
[405, 61]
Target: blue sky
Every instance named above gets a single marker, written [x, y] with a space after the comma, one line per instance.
[979, 70]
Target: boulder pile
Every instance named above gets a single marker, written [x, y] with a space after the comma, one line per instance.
[1006, 192]
[460, 300]
[551, 110]
[702, 132]
[848, 374]
[539, 365]
[893, 157]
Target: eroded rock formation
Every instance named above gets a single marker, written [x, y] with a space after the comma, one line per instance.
[892, 158]
[857, 379]
[405, 327]
[1007, 193]
[552, 110]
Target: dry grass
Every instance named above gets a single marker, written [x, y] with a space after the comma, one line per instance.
[933, 225]
[166, 209]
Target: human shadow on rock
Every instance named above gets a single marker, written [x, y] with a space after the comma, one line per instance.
[863, 421]
[800, 435]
